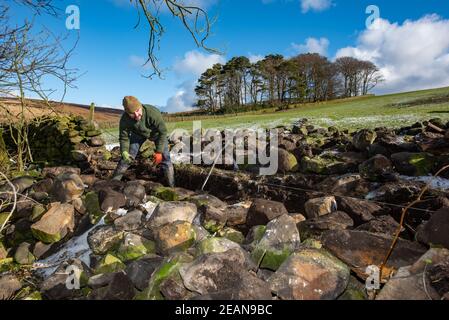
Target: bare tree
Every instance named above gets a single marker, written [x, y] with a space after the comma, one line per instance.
[28, 60]
[194, 18]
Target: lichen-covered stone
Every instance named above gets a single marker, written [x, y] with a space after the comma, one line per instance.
[110, 264]
[103, 239]
[134, 247]
[174, 237]
[55, 223]
[310, 274]
[280, 239]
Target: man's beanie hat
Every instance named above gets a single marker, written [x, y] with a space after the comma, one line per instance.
[131, 104]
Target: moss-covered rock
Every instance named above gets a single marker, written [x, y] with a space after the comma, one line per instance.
[169, 268]
[110, 264]
[280, 239]
[322, 165]
[38, 212]
[23, 255]
[55, 223]
[216, 245]
[134, 247]
[166, 194]
[414, 164]
[233, 235]
[6, 264]
[92, 204]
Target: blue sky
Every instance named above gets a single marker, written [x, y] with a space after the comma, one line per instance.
[110, 50]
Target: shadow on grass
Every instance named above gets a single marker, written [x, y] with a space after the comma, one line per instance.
[441, 111]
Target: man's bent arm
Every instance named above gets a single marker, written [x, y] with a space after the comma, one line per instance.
[124, 137]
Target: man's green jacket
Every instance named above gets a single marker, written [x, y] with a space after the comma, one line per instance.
[151, 126]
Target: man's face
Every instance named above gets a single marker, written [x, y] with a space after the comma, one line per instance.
[136, 115]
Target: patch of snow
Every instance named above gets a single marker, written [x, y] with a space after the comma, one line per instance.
[438, 183]
[149, 208]
[77, 247]
[109, 147]
[121, 212]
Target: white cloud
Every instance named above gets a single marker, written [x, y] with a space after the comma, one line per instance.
[254, 58]
[190, 68]
[413, 55]
[195, 63]
[184, 98]
[315, 5]
[312, 45]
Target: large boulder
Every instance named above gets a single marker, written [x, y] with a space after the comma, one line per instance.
[263, 211]
[130, 221]
[383, 224]
[415, 282]
[167, 270]
[140, 271]
[436, 231]
[134, 247]
[360, 249]
[377, 168]
[110, 264]
[174, 237]
[320, 206]
[216, 245]
[314, 228]
[359, 210]
[214, 272]
[250, 287]
[363, 139]
[67, 187]
[413, 164]
[104, 238]
[135, 193]
[169, 212]
[310, 274]
[207, 199]
[120, 287]
[55, 224]
[280, 239]
[287, 162]
[111, 200]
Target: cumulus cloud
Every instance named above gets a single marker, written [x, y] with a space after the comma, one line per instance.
[412, 55]
[312, 45]
[190, 68]
[315, 5]
[195, 63]
[184, 98]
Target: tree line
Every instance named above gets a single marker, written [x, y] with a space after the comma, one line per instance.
[276, 81]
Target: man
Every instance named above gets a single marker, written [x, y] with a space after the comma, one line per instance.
[138, 124]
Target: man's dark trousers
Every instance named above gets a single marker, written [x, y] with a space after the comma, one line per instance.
[135, 143]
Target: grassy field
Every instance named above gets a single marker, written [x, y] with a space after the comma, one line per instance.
[393, 110]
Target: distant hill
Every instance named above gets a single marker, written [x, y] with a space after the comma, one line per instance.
[11, 108]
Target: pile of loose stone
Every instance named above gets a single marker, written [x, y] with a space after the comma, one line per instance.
[323, 240]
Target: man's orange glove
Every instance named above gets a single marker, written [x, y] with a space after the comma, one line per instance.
[157, 158]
